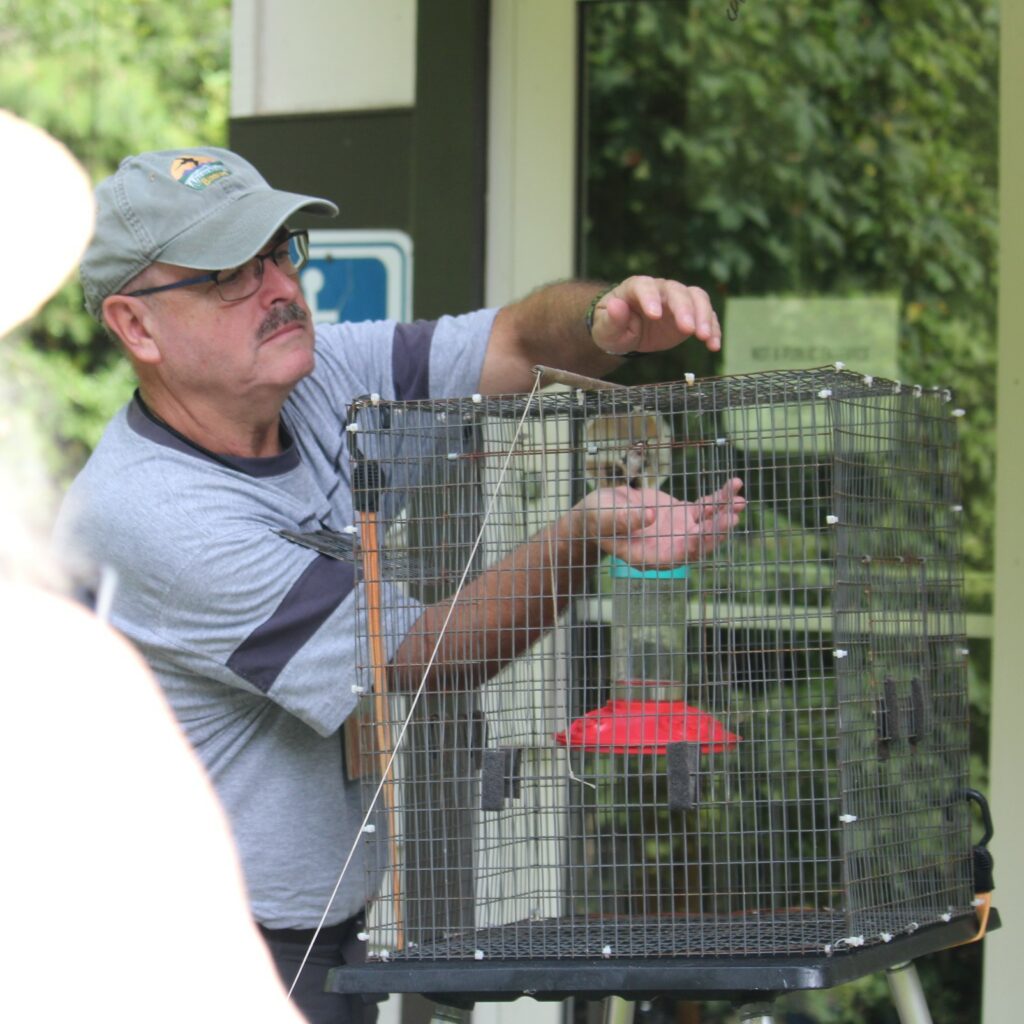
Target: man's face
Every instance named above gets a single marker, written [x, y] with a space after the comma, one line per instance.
[257, 347]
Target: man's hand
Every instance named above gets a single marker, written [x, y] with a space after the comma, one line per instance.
[651, 314]
[509, 605]
[650, 529]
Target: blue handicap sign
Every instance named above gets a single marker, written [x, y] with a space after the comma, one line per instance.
[358, 275]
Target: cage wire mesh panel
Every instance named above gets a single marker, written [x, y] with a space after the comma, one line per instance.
[760, 753]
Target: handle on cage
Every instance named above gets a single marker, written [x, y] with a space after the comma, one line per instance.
[983, 864]
[983, 860]
[367, 481]
[366, 485]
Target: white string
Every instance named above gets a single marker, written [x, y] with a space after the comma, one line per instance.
[422, 684]
[554, 595]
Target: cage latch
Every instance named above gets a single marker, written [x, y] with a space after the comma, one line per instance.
[896, 719]
[682, 760]
[500, 777]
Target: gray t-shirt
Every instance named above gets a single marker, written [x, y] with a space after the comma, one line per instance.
[253, 638]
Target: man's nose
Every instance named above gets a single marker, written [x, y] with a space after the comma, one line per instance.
[278, 285]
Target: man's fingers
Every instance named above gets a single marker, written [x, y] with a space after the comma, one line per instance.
[672, 310]
[651, 529]
[691, 309]
[727, 496]
[693, 313]
[622, 327]
[634, 519]
[629, 513]
[717, 514]
[645, 295]
[617, 309]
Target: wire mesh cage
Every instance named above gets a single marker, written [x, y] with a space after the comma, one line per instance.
[757, 757]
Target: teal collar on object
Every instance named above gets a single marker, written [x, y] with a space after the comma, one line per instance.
[618, 569]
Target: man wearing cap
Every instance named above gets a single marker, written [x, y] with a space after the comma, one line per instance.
[236, 433]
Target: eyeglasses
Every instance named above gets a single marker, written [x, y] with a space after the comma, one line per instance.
[289, 255]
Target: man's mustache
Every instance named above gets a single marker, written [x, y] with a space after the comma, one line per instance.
[279, 316]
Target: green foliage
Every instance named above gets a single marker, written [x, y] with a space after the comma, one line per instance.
[107, 78]
[70, 407]
[800, 148]
[809, 149]
[114, 77]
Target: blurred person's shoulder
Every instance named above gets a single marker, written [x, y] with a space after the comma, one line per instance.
[165, 840]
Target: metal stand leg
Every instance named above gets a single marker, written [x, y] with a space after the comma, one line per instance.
[444, 1014]
[756, 1013]
[907, 994]
[618, 1010]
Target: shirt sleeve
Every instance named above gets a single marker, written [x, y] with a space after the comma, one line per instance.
[272, 618]
[398, 361]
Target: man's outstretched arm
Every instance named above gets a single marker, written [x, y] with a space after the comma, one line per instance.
[504, 610]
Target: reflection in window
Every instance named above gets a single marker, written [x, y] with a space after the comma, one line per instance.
[783, 150]
[810, 149]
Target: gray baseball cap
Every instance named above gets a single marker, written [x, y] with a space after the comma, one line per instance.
[205, 208]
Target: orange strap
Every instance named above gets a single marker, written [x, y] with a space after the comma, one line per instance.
[983, 908]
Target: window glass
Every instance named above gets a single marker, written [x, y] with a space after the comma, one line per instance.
[777, 150]
[827, 172]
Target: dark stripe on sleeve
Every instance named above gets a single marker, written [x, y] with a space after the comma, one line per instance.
[410, 360]
[262, 656]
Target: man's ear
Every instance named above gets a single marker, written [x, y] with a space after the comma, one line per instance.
[132, 321]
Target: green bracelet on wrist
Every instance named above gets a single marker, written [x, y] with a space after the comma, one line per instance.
[592, 309]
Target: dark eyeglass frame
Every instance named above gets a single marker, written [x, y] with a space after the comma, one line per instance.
[220, 277]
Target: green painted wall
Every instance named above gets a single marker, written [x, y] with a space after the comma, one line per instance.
[420, 170]
[361, 161]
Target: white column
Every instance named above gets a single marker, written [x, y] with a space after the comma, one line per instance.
[531, 194]
[531, 208]
[1001, 998]
[318, 55]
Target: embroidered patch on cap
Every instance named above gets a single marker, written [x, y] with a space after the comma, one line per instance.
[198, 171]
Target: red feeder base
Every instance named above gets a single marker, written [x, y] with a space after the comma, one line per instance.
[645, 727]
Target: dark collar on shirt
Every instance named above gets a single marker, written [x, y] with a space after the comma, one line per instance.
[147, 424]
